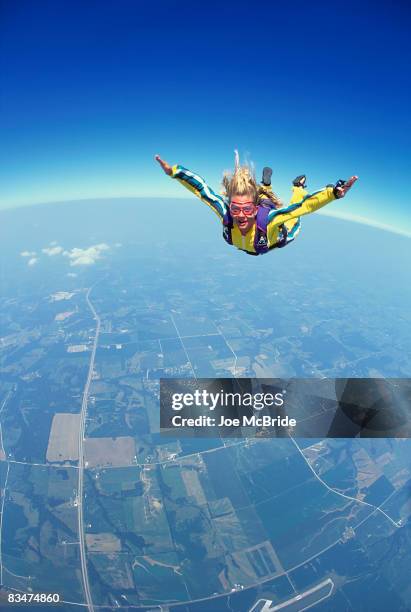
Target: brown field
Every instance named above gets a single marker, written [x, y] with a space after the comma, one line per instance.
[63, 439]
[108, 452]
[103, 542]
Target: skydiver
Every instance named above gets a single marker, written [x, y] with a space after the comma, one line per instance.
[250, 220]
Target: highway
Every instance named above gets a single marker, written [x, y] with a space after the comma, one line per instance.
[81, 436]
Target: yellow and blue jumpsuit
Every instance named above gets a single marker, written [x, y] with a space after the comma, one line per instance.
[301, 203]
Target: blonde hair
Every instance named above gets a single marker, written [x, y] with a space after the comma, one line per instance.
[241, 181]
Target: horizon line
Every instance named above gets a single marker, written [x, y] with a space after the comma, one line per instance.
[365, 221]
[325, 213]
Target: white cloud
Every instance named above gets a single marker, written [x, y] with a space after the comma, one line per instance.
[72, 274]
[54, 250]
[53, 243]
[28, 253]
[86, 257]
[32, 261]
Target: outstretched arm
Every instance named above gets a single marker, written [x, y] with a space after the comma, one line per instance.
[310, 203]
[197, 185]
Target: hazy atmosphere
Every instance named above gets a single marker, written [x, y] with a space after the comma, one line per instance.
[91, 91]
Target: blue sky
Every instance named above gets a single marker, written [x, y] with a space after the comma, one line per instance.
[90, 91]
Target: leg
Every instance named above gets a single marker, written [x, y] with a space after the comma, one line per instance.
[298, 189]
[266, 195]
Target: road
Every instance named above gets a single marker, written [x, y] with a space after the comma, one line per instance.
[355, 499]
[81, 437]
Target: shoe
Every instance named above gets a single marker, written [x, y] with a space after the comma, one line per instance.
[300, 181]
[266, 180]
